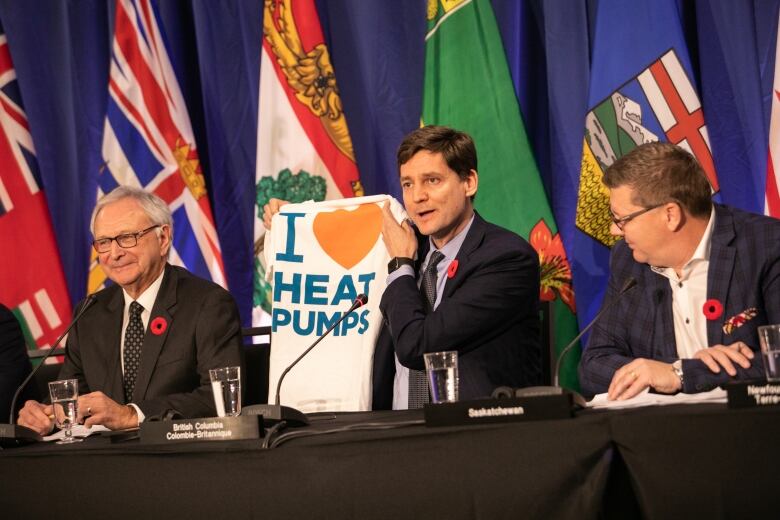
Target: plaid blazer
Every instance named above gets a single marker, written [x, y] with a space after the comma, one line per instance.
[744, 273]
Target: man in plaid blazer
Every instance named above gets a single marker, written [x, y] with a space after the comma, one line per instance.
[707, 276]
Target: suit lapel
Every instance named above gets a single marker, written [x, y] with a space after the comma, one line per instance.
[155, 336]
[113, 384]
[472, 241]
[661, 295]
[721, 270]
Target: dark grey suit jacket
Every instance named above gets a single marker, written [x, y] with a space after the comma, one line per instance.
[488, 313]
[744, 272]
[203, 332]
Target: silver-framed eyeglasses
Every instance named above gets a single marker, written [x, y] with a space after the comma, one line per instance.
[622, 221]
[125, 240]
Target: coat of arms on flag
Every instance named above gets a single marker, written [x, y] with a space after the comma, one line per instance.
[148, 140]
[660, 103]
[304, 151]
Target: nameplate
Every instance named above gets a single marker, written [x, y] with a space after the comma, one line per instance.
[197, 430]
[510, 409]
[749, 394]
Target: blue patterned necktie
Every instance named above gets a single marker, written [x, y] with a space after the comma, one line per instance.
[418, 385]
[134, 339]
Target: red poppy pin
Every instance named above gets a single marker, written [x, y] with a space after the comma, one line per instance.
[159, 325]
[712, 309]
[452, 269]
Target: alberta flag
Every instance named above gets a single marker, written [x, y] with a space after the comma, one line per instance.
[468, 87]
[148, 140]
[641, 90]
[32, 283]
[304, 151]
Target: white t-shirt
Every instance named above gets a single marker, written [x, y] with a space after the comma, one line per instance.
[319, 257]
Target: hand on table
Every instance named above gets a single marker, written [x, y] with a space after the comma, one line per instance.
[98, 408]
[725, 356]
[37, 417]
[633, 378]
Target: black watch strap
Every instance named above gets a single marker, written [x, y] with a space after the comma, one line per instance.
[397, 262]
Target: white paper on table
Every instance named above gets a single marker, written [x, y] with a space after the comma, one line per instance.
[645, 398]
[79, 430]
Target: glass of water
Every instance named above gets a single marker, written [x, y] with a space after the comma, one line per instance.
[64, 399]
[442, 370]
[769, 336]
[226, 385]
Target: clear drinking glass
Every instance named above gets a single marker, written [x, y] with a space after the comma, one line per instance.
[442, 369]
[226, 385]
[769, 336]
[64, 399]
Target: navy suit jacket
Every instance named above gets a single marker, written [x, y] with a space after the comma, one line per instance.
[203, 332]
[488, 313]
[744, 272]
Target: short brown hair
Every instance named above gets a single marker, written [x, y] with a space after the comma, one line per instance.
[662, 172]
[456, 147]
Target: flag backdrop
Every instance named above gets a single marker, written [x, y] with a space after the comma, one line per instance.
[642, 94]
[304, 151]
[40, 303]
[148, 140]
[468, 86]
[772, 193]
[559, 55]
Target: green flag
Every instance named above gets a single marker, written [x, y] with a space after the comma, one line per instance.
[468, 87]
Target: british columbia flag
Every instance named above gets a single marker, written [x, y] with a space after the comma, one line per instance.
[32, 283]
[148, 140]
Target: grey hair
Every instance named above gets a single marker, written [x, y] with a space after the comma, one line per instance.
[155, 208]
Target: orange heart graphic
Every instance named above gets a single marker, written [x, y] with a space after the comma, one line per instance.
[348, 236]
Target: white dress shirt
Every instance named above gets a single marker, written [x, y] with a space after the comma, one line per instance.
[689, 293]
[146, 300]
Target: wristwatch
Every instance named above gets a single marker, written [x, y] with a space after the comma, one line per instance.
[678, 371]
[397, 262]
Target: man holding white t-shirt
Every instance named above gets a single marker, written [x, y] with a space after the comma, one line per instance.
[485, 301]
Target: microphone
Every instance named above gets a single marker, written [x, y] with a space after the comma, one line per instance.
[276, 412]
[556, 389]
[11, 434]
[627, 286]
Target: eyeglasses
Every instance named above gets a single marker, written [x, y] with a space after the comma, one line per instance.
[126, 240]
[622, 221]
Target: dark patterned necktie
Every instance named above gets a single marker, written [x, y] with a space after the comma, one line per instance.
[134, 339]
[418, 385]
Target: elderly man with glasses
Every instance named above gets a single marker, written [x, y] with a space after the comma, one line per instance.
[707, 276]
[144, 348]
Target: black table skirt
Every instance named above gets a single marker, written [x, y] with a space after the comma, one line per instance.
[694, 460]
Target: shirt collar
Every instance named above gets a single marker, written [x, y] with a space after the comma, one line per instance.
[451, 248]
[701, 253]
[148, 297]
[705, 244]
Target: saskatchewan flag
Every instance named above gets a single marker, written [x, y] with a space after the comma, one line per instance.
[468, 87]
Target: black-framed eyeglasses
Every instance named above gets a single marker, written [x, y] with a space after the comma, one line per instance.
[622, 221]
[126, 240]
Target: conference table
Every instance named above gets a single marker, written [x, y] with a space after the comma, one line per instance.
[681, 461]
